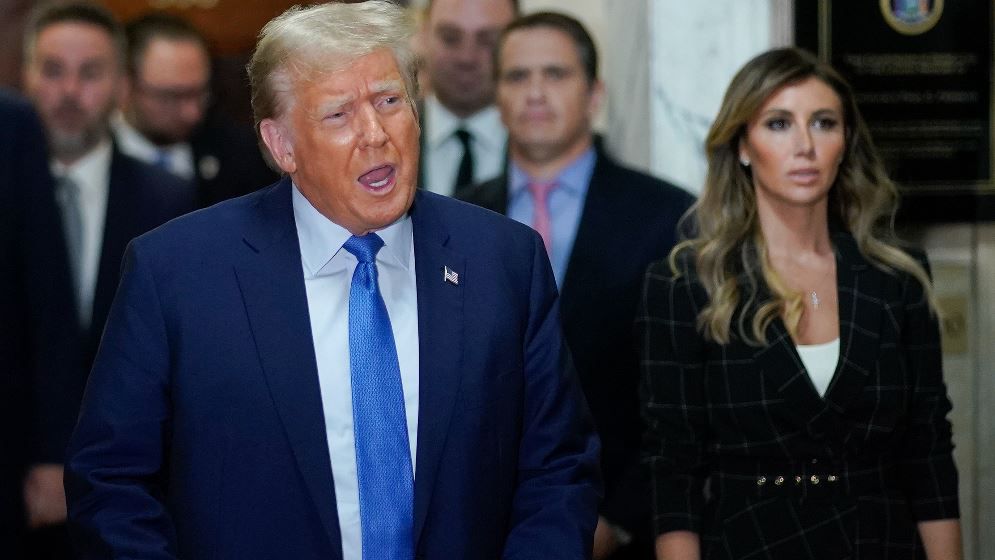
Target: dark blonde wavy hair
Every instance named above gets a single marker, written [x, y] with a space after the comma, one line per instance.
[726, 247]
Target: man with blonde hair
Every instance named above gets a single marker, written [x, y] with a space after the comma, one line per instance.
[340, 365]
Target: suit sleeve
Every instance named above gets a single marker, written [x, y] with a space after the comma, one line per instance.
[554, 509]
[926, 462]
[673, 400]
[116, 466]
[55, 367]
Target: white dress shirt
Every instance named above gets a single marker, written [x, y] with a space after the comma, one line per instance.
[133, 143]
[444, 152]
[92, 173]
[328, 270]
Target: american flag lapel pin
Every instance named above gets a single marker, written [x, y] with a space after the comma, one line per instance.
[449, 275]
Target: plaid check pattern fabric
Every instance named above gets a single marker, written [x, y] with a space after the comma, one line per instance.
[742, 449]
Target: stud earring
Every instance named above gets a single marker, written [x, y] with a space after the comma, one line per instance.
[744, 162]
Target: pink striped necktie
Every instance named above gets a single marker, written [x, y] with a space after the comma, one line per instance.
[541, 221]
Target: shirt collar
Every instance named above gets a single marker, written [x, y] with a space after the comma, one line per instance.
[135, 143]
[572, 179]
[485, 125]
[321, 239]
[92, 171]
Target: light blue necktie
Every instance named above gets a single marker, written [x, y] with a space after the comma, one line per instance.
[68, 196]
[383, 457]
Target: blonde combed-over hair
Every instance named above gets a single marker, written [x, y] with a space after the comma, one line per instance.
[304, 43]
[726, 246]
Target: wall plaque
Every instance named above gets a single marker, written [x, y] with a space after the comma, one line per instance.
[921, 71]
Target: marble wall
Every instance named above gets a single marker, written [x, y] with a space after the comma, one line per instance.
[955, 255]
[695, 52]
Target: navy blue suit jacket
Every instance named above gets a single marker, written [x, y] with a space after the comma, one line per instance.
[202, 431]
[35, 290]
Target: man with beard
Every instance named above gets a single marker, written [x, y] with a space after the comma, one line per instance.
[463, 140]
[166, 119]
[73, 73]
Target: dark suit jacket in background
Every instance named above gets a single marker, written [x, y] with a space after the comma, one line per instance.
[227, 161]
[628, 221]
[202, 433]
[35, 289]
[741, 416]
[140, 197]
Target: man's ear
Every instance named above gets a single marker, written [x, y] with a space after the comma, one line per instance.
[597, 98]
[277, 139]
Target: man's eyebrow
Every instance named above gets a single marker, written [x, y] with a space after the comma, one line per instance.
[387, 85]
[334, 103]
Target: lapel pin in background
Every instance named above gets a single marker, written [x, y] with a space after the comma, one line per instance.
[450, 276]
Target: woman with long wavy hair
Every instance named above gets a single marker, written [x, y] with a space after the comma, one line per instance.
[792, 384]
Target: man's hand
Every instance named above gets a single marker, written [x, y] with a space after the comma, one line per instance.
[604, 539]
[44, 496]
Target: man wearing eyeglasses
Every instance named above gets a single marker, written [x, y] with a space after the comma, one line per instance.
[166, 119]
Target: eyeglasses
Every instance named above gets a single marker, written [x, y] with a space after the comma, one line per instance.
[175, 97]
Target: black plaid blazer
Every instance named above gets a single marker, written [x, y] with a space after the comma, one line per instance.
[742, 449]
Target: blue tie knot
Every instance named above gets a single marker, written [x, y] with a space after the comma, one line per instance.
[364, 248]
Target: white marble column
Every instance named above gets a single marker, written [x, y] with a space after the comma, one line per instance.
[696, 49]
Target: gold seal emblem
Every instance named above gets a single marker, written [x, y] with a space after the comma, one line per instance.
[911, 17]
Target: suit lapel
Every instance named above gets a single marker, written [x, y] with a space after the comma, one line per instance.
[784, 371]
[440, 344]
[119, 228]
[591, 244]
[860, 320]
[492, 195]
[272, 284]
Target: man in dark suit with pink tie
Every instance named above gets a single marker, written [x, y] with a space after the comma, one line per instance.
[602, 224]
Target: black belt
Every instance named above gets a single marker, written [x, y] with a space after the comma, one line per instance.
[813, 478]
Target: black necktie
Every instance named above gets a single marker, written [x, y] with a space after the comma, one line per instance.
[464, 177]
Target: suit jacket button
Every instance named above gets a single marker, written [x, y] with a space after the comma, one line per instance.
[779, 480]
[761, 480]
[831, 478]
[798, 480]
[814, 479]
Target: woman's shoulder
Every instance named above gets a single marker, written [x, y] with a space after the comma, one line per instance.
[677, 276]
[677, 269]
